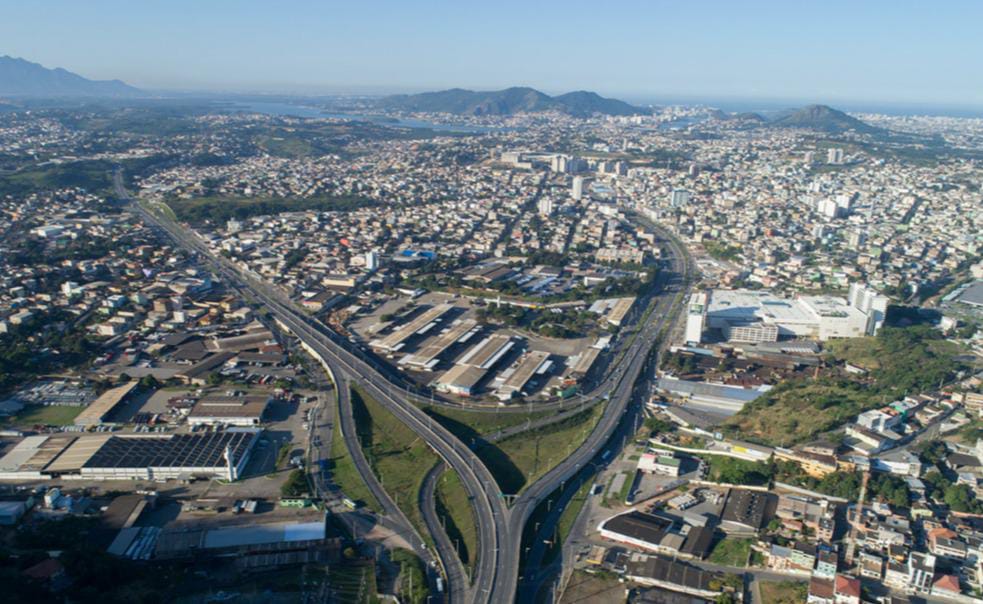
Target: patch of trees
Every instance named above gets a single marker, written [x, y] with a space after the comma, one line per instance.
[221, 209]
[296, 484]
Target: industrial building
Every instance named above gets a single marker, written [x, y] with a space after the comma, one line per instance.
[715, 398]
[463, 378]
[614, 310]
[658, 534]
[429, 355]
[251, 546]
[229, 410]
[97, 412]
[745, 511]
[420, 325]
[515, 379]
[131, 456]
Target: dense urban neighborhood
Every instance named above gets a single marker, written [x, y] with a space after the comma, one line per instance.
[337, 351]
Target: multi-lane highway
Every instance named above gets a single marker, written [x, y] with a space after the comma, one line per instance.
[499, 528]
[490, 511]
[672, 291]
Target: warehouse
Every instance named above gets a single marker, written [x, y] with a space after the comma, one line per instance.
[229, 410]
[534, 363]
[252, 546]
[417, 326]
[487, 352]
[27, 459]
[461, 380]
[99, 410]
[428, 356]
[131, 457]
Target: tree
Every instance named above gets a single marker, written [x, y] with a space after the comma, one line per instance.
[296, 484]
[960, 498]
[657, 425]
[933, 452]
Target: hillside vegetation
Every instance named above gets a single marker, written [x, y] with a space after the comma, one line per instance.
[900, 361]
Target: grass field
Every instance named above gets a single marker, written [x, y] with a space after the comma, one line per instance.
[784, 592]
[412, 577]
[398, 456]
[521, 459]
[731, 552]
[48, 415]
[593, 588]
[353, 582]
[567, 518]
[468, 423]
[344, 474]
[454, 507]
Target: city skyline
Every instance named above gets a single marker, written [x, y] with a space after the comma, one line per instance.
[873, 54]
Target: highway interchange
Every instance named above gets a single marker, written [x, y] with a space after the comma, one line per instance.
[499, 527]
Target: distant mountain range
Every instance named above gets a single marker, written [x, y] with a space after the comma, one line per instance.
[821, 118]
[824, 119]
[24, 78]
[508, 102]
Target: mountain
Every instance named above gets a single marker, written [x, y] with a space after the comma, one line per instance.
[507, 102]
[582, 102]
[825, 119]
[23, 78]
[745, 117]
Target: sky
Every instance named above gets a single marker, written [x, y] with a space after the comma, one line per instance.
[820, 51]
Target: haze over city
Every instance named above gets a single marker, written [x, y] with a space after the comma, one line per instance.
[885, 52]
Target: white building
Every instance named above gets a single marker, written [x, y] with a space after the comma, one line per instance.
[679, 198]
[545, 206]
[577, 191]
[695, 317]
[760, 316]
[872, 304]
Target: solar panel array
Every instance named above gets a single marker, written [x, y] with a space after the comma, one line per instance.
[177, 451]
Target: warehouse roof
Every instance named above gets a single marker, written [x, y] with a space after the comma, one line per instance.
[97, 411]
[258, 534]
[172, 450]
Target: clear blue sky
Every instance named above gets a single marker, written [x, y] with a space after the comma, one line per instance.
[865, 50]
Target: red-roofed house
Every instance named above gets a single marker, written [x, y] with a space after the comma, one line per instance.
[846, 590]
[946, 586]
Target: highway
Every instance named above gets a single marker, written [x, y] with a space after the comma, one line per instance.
[499, 528]
[490, 511]
[397, 519]
[672, 293]
[459, 588]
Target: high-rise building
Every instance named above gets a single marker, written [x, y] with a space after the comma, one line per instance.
[372, 260]
[545, 206]
[578, 187]
[871, 303]
[679, 198]
[834, 156]
[856, 239]
[696, 314]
